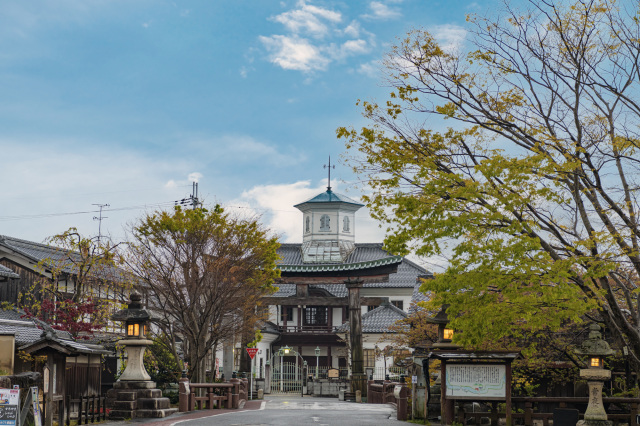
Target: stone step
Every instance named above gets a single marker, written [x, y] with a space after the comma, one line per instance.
[121, 414]
[153, 403]
[164, 412]
[149, 393]
[124, 405]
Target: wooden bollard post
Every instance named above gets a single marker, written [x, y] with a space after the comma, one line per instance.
[528, 413]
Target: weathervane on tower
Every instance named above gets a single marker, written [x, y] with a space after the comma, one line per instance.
[329, 178]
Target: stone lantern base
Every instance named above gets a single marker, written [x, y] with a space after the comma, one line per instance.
[137, 399]
[595, 415]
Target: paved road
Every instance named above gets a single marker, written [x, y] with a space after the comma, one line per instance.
[284, 410]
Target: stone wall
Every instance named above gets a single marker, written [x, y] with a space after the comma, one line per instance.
[324, 387]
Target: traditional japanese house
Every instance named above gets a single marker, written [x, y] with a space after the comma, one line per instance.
[310, 313]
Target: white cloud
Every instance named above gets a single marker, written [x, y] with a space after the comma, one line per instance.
[275, 204]
[353, 29]
[242, 149]
[449, 36]
[314, 39]
[308, 19]
[294, 53]
[48, 199]
[370, 69]
[195, 177]
[380, 11]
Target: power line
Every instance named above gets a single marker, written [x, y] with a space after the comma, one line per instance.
[46, 215]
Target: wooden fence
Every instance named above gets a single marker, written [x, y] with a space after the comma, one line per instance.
[526, 410]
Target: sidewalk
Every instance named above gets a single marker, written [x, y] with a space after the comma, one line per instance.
[191, 415]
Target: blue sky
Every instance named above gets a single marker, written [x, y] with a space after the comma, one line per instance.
[125, 102]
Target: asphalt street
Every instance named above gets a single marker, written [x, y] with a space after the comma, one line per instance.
[294, 410]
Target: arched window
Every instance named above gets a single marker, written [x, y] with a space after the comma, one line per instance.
[307, 225]
[325, 223]
[345, 224]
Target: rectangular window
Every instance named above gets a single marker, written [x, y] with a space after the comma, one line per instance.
[315, 315]
[371, 307]
[398, 304]
[369, 358]
[288, 311]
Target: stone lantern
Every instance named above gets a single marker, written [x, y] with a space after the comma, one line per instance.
[136, 320]
[134, 394]
[595, 348]
[445, 333]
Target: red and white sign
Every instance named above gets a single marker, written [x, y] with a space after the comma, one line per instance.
[252, 352]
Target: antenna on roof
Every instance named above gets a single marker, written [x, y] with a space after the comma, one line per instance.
[99, 219]
[329, 178]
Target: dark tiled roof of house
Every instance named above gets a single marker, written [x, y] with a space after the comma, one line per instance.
[287, 290]
[50, 255]
[29, 332]
[25, 329]
[7, 273]
[378, 320]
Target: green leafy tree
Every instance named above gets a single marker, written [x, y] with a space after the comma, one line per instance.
[79, 284]
[206, 272]
[531, 190]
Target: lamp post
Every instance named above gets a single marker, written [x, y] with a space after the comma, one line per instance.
[595, 348]
[317, 360]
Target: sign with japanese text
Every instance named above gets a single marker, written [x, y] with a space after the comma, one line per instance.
[252, 352]
[36, 406]
[475, 381]
[9, 400]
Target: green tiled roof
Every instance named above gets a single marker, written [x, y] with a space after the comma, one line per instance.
[337, 267]
[331, 197]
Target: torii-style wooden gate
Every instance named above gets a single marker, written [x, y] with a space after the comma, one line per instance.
[354, 276]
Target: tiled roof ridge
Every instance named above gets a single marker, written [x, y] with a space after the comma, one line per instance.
[384, 306]
[5, 240]
[416, 266]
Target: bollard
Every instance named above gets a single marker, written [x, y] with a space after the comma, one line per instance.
[236, 392]
[260, 393]
[183, 393]
[400, 392]
[358, 396]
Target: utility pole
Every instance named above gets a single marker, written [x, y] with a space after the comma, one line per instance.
[99, 219]
[191, 199]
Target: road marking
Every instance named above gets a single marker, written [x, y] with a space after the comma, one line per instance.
[316, 419]
[263, 404]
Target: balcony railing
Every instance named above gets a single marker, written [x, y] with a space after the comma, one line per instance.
[310, 329]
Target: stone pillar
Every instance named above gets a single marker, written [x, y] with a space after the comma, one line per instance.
[227, 360]
[135, 349]
[267, 377]
[595, 415]
[358, 379]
